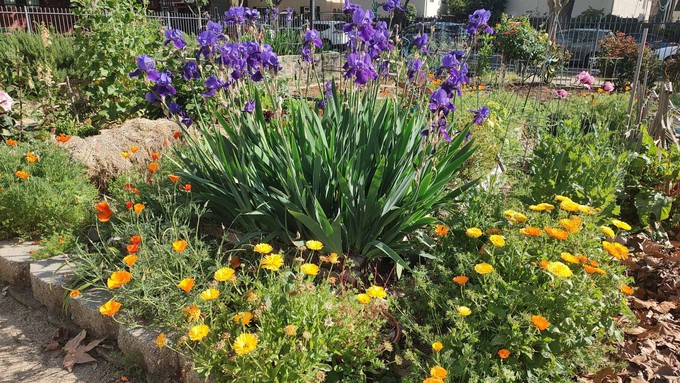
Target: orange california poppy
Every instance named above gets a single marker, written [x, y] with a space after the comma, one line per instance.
[187, 188]
[153, 167]
[11, 142]
[22, 174]
[173, 178]
[135, 240]
[62, 138]
[139, 207]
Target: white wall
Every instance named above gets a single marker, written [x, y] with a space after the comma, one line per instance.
[621, 8]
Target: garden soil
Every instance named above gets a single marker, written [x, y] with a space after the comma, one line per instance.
[31, 348]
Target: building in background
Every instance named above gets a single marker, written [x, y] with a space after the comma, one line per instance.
[638, 9]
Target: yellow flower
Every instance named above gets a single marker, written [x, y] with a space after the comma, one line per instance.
[310, 269]
[243, 318]
[245, 343]
[568, 257]
[483, 268]
[473, 232]
[363, 298]
[314, 245]
[438, 372]
[31, 158]
[272, 262]
[130, 260]
[199, 332]
[442, 230]
[192, 312]
[514, 216]
[437, 346]
[290, 330]
[572, 225]
[560, 198]
[542, 207]
[432, 379]
[376, 292]
[627, 290]
[263, 248]
[616, 250]
[161, 340]
[109, 308]
[497, 240]
[559, 269]
[179, 246]
[210, 294]
[587, 209]
[186, 284]
[620, 224]
[118, 279]
[225, 274]
[606, 230]
[569, 205]
[464, 311]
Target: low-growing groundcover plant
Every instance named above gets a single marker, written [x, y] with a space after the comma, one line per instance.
[534, 297]
[40, 196]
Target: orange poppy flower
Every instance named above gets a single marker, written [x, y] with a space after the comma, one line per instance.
[556, 233]
[21, 174]
[104, 212]
[177, 134]
[125, 154]
[179, 246]
[131, 188]
[134, 149]
[461, 279]
[173, 178]
[442, 230]
[135, 240]
[187, 188]
[118, 279]
[129, 205]
[133, 248]
[110, 308]
[503, 353]
[627, 290]
[31, 158]
[62, 138]
[161, 340]
[130, 260]
[74, 293]
[10, 142]
[155, 156]
[186, 284]
[153, 167]
[138, 208]
[540, 322]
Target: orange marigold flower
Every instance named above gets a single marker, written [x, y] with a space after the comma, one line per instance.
[503, 353]
[243, 318]
[179, 246]
[62, 138]
[22, 174]
[627, 290]
[540, 322]
[130, 260]
[572, 225]
[74, 293]
[31, 157]
[153, 167]
[135, 240]
[593, 270]
[118, 279]
[138, 208]
[442, 230]
[173, 178]
[109, 308]
[461, 279]
[556, 233]
[616, 250]
[186, 284]
[530, 231]
[132, 248]
[11, 142]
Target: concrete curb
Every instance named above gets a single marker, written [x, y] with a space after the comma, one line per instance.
[48, 280]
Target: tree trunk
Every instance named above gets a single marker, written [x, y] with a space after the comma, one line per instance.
[565, 15]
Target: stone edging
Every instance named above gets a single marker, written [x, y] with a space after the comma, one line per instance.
[47, 280]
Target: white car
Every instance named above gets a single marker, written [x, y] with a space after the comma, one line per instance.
[331, 33]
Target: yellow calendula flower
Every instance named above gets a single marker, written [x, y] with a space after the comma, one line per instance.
[587, 209]
[199, 332]
[627, 290]
[616, 250]
[560, 198]
[314, 245]
[514, 216]
[497, 240]
[263, 248]
[310, 269]
[620, 224]
[483, 268]
[376, 292]
[192, 312]
[290, 330]
[245, 343]
[569, 205]
[363, 298]
[225, 274]
[243, 318]
[272, 262]
[606, 230]
[568, 257]
[473, 232]
[542, 207]
[572, 225]
[330, 258]
[464, 311]
[437, 346]
[210, 294]
[559, 269]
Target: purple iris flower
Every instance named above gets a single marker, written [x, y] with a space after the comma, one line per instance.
[206, 38]
[391, 5]
[456, 78]
[249, 107]
[440, 101]
[213, 27]
[414, 66]
[479, 22]
[480, 114]
[420, 42]
[380, 41]
[213, 84]
[235, 15]
[360, 67]
[145, 64]
[176, 37]
[289, 15]
[252, 14]
[190, 70]
[312, 36]
[163, 87]
[442, 124]
[151, 97]
[450, 61]
[174, 108]
[350, 8]
[306, 54]
[362, 22]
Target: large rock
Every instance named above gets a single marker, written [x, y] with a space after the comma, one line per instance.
[101, 154]
[15, 259]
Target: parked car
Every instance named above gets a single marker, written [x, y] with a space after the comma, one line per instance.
[440, 33]
[583, 43]
[331, 33]
[663, 49]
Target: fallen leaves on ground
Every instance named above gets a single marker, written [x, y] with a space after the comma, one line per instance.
[77, 353]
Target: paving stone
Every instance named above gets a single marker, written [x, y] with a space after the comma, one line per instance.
[49, 278]
[159, 364]
[14, 262]
[85, 313]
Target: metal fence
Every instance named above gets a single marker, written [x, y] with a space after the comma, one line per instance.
[28, 18]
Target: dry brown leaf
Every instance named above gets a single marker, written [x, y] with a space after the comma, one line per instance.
[664, 307]
[76, 353]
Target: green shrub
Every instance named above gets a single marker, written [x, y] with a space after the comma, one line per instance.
[55, 200]
[580, 298]
[516, 39]
[359, 178]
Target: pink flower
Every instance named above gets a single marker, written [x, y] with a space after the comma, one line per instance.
[608, 86]
[561, 93]
[6, 101]
[585, 79]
